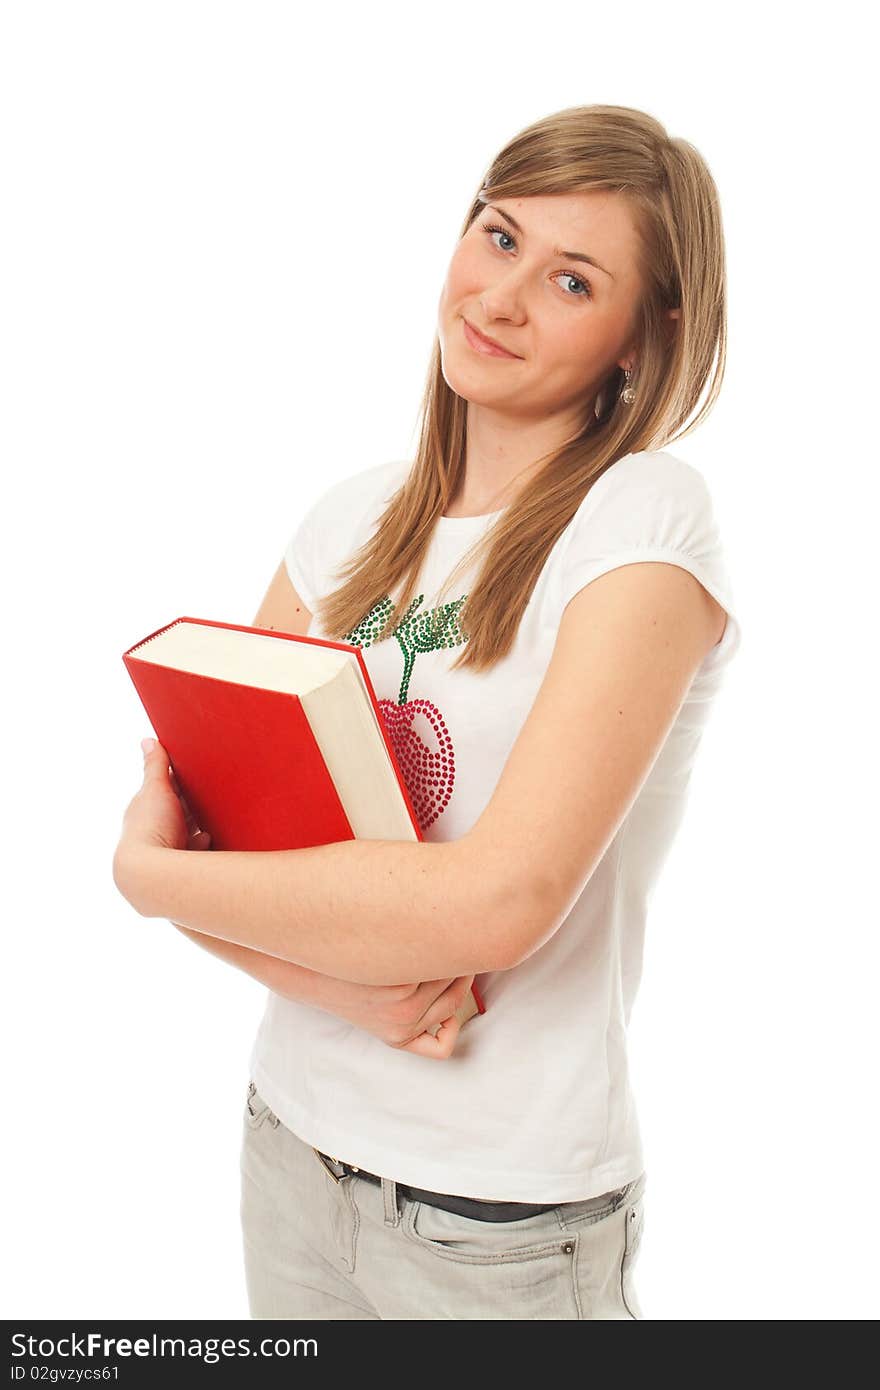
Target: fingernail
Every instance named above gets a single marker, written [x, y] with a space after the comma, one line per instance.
[148, 744]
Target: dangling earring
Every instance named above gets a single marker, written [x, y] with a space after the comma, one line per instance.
[627, 395]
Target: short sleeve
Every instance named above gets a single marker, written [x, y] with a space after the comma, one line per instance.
[335, 525]
[650, 506]
[300, 555]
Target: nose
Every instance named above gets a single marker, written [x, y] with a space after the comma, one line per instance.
[502, 301]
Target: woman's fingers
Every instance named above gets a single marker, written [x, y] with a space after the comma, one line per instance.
[447, 1002]
[440, 1027]
[198, 839]
[439, 1047]
[179, 793]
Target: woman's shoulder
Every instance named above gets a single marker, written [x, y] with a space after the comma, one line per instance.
[338, 520]
[640, 491]
[651, 469]
[655, 506]
[359, 491]
[650, 501]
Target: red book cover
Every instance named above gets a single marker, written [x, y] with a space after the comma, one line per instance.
[245, 758]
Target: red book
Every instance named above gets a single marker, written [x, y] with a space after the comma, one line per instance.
[277, 740]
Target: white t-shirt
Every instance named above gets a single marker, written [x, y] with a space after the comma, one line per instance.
[534, 1105]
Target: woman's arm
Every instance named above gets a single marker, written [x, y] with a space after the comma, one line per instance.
[375, 912]
[366, 911]
[380, 910]
[419, 1018]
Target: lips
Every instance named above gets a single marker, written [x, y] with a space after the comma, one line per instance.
[482, 340]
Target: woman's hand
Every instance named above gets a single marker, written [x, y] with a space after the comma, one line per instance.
[401, 1015]
[157, 815]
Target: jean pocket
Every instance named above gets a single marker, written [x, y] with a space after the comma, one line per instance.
[467, 1240]
[593, 1209]
[256, 1111]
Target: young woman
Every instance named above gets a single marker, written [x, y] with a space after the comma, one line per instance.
[543, 606]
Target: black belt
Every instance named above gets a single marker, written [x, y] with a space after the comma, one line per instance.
[447, 1201]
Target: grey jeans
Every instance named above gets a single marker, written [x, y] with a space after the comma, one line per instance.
[318, 1246]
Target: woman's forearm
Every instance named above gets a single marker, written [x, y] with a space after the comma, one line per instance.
[371, 911]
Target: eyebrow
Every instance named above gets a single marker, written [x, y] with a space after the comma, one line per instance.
[570, 255]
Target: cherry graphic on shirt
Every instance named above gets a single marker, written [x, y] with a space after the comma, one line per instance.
[428, 768]
[418, 732]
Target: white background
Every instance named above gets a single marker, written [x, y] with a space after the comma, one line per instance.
[225, 232]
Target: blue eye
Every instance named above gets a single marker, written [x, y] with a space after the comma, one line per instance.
[491, 228]
[502, 230]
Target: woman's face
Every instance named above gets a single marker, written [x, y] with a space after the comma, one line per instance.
[568, 322]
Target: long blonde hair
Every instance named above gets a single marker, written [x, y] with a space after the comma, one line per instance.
[675, 208]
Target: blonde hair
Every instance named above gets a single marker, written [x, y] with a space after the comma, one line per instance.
[675, 208]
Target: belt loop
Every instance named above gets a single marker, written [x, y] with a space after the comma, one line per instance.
[389, 1194]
